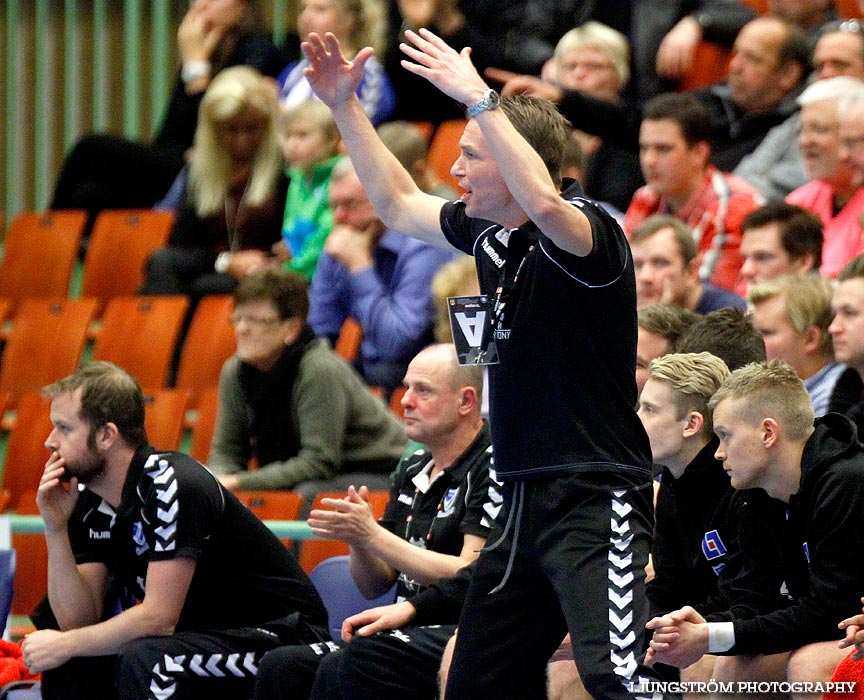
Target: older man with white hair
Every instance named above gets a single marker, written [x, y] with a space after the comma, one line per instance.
[832, 192]
[851, 132]
[775, 168]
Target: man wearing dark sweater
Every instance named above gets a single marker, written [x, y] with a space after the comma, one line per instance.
[770, 60]
[764, 421]
[705, 530]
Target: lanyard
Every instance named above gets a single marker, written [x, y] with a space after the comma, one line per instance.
[409, 519]
[503, 293]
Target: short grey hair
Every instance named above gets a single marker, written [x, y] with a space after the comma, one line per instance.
[829, 89]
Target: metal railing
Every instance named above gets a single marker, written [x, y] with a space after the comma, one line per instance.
[288, 529]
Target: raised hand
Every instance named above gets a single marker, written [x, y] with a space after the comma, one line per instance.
[450, 71]
[332, 76]
[196, 38]
[676, 52]
[517, 84]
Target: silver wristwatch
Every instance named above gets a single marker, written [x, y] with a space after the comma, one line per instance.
[490, 100]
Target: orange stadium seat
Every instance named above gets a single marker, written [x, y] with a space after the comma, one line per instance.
[31, 575]
[205, 424]
[710, 65]
[348, 343]
[273, 505]
[34, 239]
[165, 413]
[396, 402]
[760, 6]
[139, 334]
[208, 343]
[45, 344]
[849, 8]
[121, 241]
[444, 150]
[25, 450]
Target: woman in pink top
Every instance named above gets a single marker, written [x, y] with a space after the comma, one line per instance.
[830, 193]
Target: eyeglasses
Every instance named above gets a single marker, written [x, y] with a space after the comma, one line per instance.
[255, 321]
[851, 26]
[347, 204]
[852, 143]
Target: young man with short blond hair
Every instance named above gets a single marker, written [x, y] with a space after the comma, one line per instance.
[767, 440]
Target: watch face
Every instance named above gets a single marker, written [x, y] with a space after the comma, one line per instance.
[490, 100]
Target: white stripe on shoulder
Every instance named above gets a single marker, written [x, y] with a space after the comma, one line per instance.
[484, 232]
[581, 202]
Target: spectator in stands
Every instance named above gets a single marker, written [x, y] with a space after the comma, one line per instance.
[108, 171]
[310, 146]
[233, 196]
[684, 505]
[779, 239]
[286, 401]
[793, 313]
[810, 15]
[376, 276]
[664, 39]
[118, 514]
[441, 508]
[851, 132]
[666, 263]
[513, 36]
[771, 59]
[660, 326]
[839, 51]
[775, 167]
[411, 148]
[727, 333]
[595, 59]
[357, 23]
[666, 36]
[675, 148]
[847, 334]
[706, 532]
[764, 421]
[832, 192]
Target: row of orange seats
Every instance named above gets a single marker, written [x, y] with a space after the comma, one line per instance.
[40, 250]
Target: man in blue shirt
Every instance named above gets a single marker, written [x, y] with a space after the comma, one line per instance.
[377, 276]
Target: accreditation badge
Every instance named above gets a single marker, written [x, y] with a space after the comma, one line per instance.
[470, 325]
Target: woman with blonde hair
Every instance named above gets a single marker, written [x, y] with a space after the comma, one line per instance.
[357, 24]
[110, 171]
[231, 196]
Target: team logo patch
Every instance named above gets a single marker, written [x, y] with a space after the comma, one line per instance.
[712, 545]
[139, 538]
[138, 534]
[449, 503]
